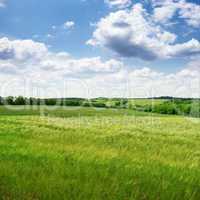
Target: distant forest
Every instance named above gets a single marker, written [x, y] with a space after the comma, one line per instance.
[162, 105]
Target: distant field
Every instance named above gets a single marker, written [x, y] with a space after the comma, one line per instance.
[67, 111]
[98, 154]
[147, 101]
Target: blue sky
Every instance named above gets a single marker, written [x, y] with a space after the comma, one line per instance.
[110, 30]
[36, 18]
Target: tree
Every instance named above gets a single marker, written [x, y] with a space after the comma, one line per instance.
[9, 100]
[20, 101]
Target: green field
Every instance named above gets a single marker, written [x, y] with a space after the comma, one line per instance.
[97, 154]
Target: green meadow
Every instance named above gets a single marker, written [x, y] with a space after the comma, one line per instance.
[79, 153]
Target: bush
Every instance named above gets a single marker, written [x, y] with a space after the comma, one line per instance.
[72, 103]
[165, 108]
[99, 104]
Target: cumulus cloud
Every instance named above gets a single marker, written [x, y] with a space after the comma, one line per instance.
[53, 73]
[166, 9]
[21, 50]
[190, 12]
[69, 24]
[28, 53]
[142, 82]
[146, 82]
[68, 66]
[7, 68]
[133, 33]
[118, 3]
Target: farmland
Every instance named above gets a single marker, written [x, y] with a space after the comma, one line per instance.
[100, 100]
[88, 153]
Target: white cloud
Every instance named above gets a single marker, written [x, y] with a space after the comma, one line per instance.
[7, 68]
[119, 3]
[134, 34]
[21, 50]
[164, 11]
[68, 66]
[49, 36]
[31, 71]
[69, 24]
[190, 12]
[194, 64]
[25, 53]
[145, 82]
[92, 24]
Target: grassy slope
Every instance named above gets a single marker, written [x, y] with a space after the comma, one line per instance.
[113, 155]
[145, 102]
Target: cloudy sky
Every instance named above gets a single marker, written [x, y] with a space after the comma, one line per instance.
[93, 48]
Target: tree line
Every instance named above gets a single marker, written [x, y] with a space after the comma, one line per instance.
[176, 106]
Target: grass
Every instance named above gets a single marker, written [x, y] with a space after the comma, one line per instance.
[65, 112]
[98, 154]
[147, 102]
